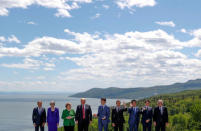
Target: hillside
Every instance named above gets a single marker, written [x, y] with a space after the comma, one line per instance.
[139, 93]
[184, 109]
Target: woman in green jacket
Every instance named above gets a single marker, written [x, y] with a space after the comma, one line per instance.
[68, 116]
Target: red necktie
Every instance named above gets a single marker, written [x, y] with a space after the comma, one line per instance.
[83, 112]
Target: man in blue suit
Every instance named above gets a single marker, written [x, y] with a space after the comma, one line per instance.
[134, 116]
[103, 115]
[39, 117]
[147, 115]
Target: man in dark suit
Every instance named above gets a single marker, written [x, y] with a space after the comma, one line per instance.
[39, 117]
[160, 117]
[134, 116]
[103, 115]
[83, 116]
[117, 116]
[147, 115]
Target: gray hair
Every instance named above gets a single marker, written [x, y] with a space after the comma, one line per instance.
[160, 101]
[52, 102]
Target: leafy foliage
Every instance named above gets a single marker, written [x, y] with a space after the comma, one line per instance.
[184, 111]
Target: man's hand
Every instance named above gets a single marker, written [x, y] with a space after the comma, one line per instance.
[104, 118]
[47, 124]
[154, 123]
[34, 124]
[95, 115]
[113, 124]
[57, 124]
[43, 124]
[76, 122]
[166, 124]
[147, 121]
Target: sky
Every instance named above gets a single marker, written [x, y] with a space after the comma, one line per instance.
[76, 45]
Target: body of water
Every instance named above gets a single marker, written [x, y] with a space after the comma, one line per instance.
[16, 109]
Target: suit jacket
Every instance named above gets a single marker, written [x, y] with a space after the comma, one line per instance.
[79, 113]
[52, 117]
[134, 116]
[117, 116]
[68, 122]
[38, 118]
[147, 114]
[160, 118]
[103, 112]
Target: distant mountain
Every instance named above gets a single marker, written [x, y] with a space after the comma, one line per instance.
[139, 93]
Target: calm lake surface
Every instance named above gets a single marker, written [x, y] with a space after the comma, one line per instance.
[16, 109]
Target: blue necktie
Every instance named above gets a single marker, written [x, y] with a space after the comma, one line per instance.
[134, 110]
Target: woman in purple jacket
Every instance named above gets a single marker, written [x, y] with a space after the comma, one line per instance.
[52, 117]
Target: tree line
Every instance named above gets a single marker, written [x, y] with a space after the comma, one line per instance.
[184, 110]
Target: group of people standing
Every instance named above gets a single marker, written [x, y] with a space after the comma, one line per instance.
[83, 116]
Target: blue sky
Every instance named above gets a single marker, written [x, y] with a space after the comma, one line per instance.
[76, 45]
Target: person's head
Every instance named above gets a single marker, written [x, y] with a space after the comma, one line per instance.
[68, 106]
[133, 102]
[103, 101]
[118, 103]
[83, 101]
[147, 103]
[39, 103]
[52, 104]
[160, 102]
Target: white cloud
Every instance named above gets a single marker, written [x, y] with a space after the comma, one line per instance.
[183, 30]
[2, 39]
[31, 64]
[196, 41]
[196, 33]
[14, 39]
[124, 60]
[138, 3]
[7, 4]
[27, 64]
[44, 45]
[26, 85]
[10, 39]
[132, 58]
[106, 6]
[166, 23]
[3, 12]
[198, 54]
[63, 7]
[62, 13]
[41, 77]
[31, 23]
[97, 15]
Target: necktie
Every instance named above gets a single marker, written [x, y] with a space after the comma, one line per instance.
[134, 110]
[83, 112]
